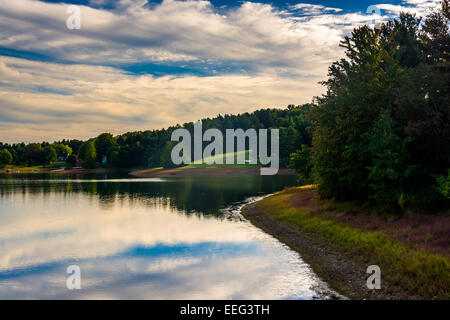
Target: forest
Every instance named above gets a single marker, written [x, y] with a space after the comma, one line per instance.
[382, 131]
[153, 148]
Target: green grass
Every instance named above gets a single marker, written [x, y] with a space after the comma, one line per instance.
[416, 272]
[22, 168]
[202, 163]
[25, 169]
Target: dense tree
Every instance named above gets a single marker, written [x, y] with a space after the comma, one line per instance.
[150, 148]
[75, 145]
[165, 158]
[88, 154]
[5, 157]
[102, 143]
[301, 162]
[62, 149]
[381, 131]
[33, 153]
[48, 155]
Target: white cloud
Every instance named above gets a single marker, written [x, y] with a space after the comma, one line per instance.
[44, 101]
[313, 9]
[252, 33]
[274, 58]
[419, 7]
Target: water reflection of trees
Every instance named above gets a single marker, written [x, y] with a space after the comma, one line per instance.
[204, 195]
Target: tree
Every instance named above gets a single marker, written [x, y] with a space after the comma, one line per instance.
[134, 149]
[72, 160]
[62, 149]
[88, 154]
[301, 162]
[382, 129]
[390, 166]
[113, 155]
[33, 153]
[5, 157]
[166, 156]
[443, 185]
[75, 145]
[102, 143]
[48, 155]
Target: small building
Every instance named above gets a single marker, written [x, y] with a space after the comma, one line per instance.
[78, 162]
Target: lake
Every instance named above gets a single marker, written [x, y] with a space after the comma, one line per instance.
[144, 238]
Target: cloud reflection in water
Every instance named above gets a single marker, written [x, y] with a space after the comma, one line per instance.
[132, 245]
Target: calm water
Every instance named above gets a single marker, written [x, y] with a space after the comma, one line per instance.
[143, 239]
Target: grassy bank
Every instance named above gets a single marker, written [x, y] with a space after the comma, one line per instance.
[52, 169]
[325, 234]
[206, 171]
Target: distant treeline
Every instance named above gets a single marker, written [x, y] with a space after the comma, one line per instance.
[382, 130]
[153, 148]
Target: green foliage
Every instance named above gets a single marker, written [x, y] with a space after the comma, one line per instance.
[389, 169]
[302, 164]
[113, 155]
[149, 148]
[72, 160]
[203, 164]
[48, 155]
[88, 154]
[165, 160]
[62, 149]
[33, 154]
[102, 144]
[443, 185]
[74, 145]
[382, 130]
[5, 157]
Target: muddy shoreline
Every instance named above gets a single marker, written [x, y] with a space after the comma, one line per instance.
[340, 273]
[150, 173]
[344, 268]
[189, 172]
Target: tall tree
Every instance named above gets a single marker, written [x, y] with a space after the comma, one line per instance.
[381, 131]
[88, 155]
[5, 157]
[48, 155]
[102, 143]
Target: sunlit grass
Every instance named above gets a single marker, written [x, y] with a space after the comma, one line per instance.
[15, 168]
[202, 163]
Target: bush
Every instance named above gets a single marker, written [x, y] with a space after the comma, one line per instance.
[5, 157]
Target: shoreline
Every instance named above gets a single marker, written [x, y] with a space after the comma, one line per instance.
[25, 170]
[312, 228]
[192, 172]
[148, 173]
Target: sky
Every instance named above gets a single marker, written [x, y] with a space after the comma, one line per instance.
[142, 65]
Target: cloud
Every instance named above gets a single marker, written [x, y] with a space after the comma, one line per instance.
[96, 98]
[419, 7]
[96, 79]
[251, 33]
[312, 9]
